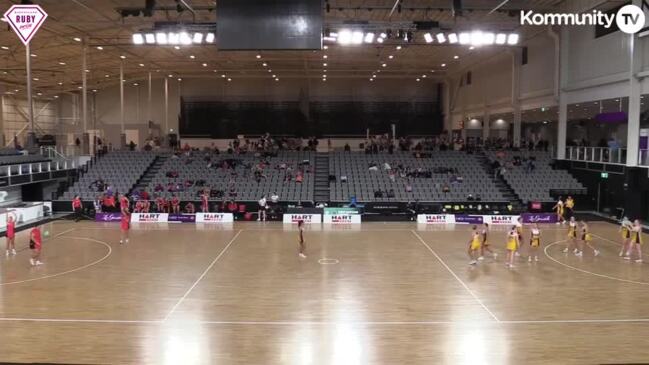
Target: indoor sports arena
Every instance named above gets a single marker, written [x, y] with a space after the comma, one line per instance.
[324, 181]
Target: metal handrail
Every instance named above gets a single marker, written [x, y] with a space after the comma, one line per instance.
[597, 154]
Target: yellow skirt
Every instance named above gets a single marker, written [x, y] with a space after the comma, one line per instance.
[511, 245]
[475, 245]
[535, 243]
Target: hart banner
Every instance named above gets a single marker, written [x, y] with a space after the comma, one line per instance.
[435, 219]
[25, 20]
[342, 218]
[149, 218]
[307, 218]
[214, 218]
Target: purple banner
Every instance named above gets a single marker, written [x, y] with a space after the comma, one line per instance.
[539, 218]
[468, 219]
[108, 217]
[182, 218]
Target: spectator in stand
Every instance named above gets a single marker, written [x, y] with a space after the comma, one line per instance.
[145, 194]
[274, 198]
[299, 176]
[161, 204]
[190, 208]
[347, 147]
[175, 204]
[232, 206]
[446, 188]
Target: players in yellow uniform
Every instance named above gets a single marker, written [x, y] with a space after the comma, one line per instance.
[485, 246]
[535, 243]
[572, 237]
[625, 230]
[568, 210]
[559, 209]
[512, 246]
[587, 239]
[519, 231]
[636, 241]
[474, 245]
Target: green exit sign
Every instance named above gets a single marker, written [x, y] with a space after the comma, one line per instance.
[604, 175]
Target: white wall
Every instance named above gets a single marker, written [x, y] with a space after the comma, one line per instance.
[15, 117]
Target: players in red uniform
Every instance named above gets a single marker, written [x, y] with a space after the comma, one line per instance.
[11, 235]
[36, 245]
[139, 206]
[125, 225]
[123, 203]
[146, 206]
[189, 208]
[161, 204]
[175, 204]
[76, 208]
[300, 226]
[204, 201]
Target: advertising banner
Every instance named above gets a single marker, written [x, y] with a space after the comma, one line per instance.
[342, 219]
[182, 218]
[214, 218]
[307, 218]
[539, 218]
[108, 217]
[500, 219]
[435, 219]
[468, 219]
[149, 217]
[335, 211]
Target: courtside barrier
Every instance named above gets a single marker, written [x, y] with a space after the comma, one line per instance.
[342, 218]
[214, 218]
[307, 218]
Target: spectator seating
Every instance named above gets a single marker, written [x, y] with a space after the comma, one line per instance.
[119, 169]
[195, 168]
[534, 185]
[21, 159]
[362, 183]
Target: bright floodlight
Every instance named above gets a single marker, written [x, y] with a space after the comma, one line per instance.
[488, 38]
[137, 38]
[198, 38]
[161, 38]
[357, 37]
[345, 37]
[428, 38]
[465, 38]
[383, 35]
[476, 38]
[173, 38]
[452, 38]
[501, 38]
[185, 38]
[209, 38]
[149, 38]
[512, 39]
[333, 35]
[369, 37]
[441, 38]
[380, 40]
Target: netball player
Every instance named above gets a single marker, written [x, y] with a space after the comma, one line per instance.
[559, 208]
[204, 201]
[139, 206]
[36, 245]
[300, 227]
[512, 246]
[77, 208]
[485, 246]
[572, 237]
[587, 239]
[636, 241]
[519, 231]
[474, 245]
[263, 205]
[11, 235]
[625, 229]
[535, 243]
[125, 226]
[123, 203]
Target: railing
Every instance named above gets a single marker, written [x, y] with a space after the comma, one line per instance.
[643, 157]
[36, 167]
[53, 152]
[597, 154]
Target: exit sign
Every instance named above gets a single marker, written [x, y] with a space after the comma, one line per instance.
[604, 175]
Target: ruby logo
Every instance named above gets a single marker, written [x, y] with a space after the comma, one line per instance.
[25, 20]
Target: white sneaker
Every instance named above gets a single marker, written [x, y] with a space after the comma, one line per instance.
[38, 263]
[638, 261]
[558, 223]
[536, 258]
[621, 253]
[517, 254]
[579, 253]
[529, 259]
[258, 219]
[13, 251]
[473, 262]
[627, 257]
[480, 258]
[120, 242]
[511, 266]
[596, 252]
[495, 255]
[126, 241]
[31, 261]
[565, 250]
[575, 250]
[302, 255]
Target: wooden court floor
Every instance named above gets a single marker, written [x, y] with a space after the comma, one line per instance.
[374, 294]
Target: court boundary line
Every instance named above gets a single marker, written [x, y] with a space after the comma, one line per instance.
[545, 251]
[96, 262]
[456, 277]
[173, 309]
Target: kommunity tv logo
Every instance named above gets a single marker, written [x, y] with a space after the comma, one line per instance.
[629, 19]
